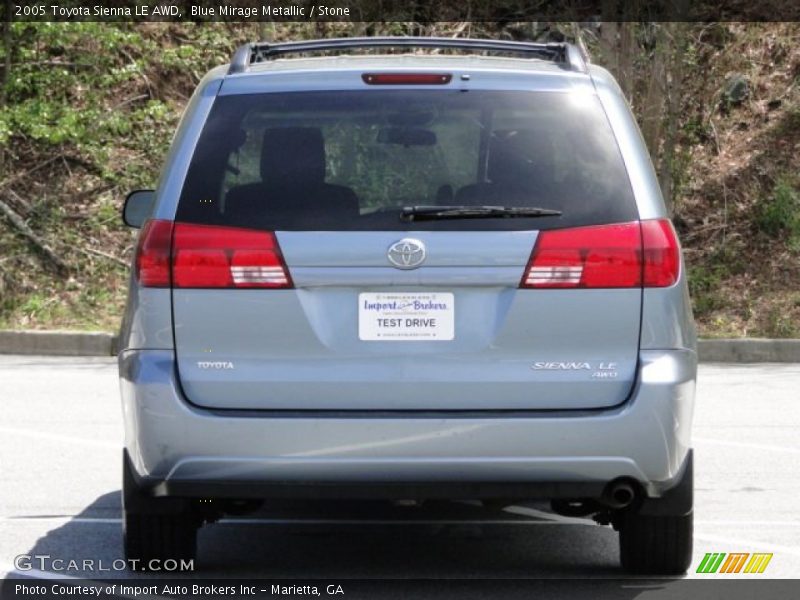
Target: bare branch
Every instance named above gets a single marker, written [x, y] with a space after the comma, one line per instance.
[111, 257]
[26, 231]
[20, 176]
[19, 200]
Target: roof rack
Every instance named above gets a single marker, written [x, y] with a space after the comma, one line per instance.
[566, 55]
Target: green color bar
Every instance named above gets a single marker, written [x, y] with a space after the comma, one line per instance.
[701, 568]
[718, 562]
[711, 562]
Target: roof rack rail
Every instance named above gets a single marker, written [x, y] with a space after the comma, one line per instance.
[561, 53]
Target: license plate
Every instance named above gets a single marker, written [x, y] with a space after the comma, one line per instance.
[398, 317]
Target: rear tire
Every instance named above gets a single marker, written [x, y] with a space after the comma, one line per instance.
[155, 529]
[150, 537]
[656, 545]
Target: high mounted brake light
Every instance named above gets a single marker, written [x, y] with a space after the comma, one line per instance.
[621, 255]
[407, 78]
[202, 256]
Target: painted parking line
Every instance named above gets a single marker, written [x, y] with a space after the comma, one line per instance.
[729, 523]
[57, 437]
[742, 543]
[58, 519]
[749, 445]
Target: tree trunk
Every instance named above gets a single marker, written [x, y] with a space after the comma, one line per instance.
[675, 34]
[651, 108]
[6, 68]
[6, 51]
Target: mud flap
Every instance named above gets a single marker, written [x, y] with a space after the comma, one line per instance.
[676, 501]
[137, 500]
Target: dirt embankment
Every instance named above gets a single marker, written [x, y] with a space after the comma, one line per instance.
[89, 110]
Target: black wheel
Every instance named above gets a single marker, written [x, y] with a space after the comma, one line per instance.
[656, 545]
[155, 529]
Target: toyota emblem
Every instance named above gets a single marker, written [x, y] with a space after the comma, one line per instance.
[406, 254]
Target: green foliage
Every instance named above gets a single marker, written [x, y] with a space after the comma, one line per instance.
[96, 104]
[705, 286]
[99, 102]
[90, 87]
[779, 214]
[695, 131]
[780, 324]
[39, 306]
[708, 280]
[53, 95]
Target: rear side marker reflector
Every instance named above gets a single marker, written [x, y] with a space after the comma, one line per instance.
[624, 255]
[406, 78]
[201, 256]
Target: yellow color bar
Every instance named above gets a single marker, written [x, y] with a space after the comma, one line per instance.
[758, 563]
[764, 563]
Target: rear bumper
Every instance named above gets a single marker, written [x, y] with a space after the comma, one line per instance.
[360, 490]
[176, 449]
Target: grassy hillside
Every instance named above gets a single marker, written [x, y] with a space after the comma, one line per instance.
[738, 209]
[87, 112]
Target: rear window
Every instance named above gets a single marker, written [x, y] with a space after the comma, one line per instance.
[338, 161]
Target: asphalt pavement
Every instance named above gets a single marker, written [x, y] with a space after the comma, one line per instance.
[60, 443]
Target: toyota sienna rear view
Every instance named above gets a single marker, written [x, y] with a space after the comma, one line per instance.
[396, 274]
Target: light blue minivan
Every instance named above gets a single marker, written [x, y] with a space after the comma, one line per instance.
[443, 269]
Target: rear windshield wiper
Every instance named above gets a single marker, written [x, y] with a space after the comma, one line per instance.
[432, 213]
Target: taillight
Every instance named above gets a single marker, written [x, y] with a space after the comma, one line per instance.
[406, 78]
[205, 256]
[152, 254]
[621, 255]
[662, 254]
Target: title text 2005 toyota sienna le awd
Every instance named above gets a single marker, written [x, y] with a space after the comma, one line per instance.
[408, 275]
